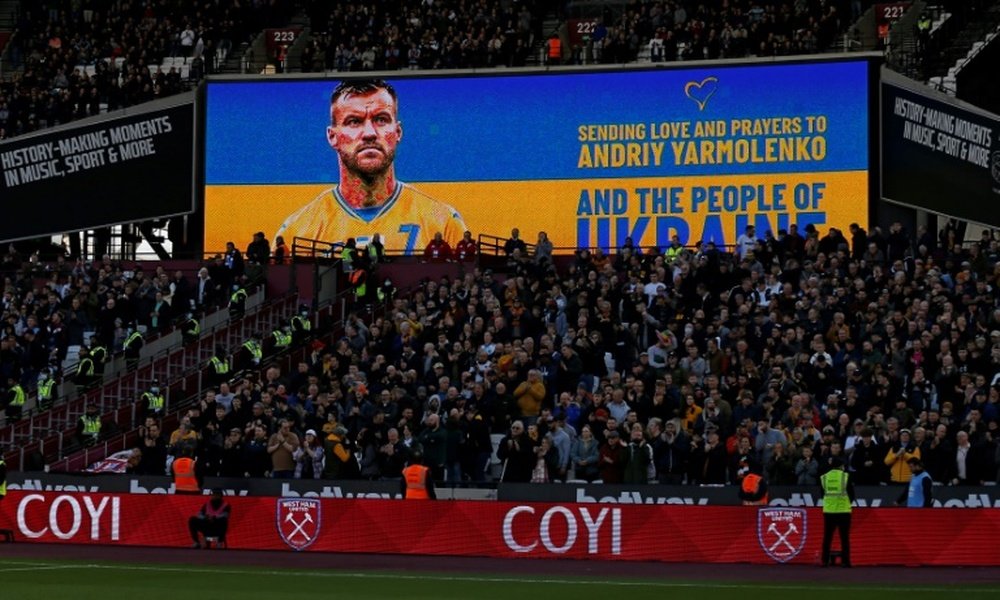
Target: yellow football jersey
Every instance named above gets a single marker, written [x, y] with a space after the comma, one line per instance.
[407, 221]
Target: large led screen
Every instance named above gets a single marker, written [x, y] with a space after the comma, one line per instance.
[591, 158]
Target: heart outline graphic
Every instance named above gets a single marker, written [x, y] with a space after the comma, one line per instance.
[701, 86]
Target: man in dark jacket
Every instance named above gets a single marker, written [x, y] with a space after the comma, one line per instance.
[670, 451]
[517, 453]
[867, 464]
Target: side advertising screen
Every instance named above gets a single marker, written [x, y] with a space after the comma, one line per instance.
[664, 533]
[939, 155]
[588, 157]
[129, 168]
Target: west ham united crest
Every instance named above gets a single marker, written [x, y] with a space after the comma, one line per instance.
[298, 521]
[782, 532]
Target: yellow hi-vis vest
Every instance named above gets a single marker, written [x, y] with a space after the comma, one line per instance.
[835, 498]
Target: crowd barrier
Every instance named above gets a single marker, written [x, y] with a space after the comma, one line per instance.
[668, 533]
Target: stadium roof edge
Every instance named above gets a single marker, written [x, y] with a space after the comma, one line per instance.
[336, 75]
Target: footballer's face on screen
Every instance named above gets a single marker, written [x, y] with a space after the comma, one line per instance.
[364, 131]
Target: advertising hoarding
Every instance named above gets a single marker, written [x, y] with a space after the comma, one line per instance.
[744, 534]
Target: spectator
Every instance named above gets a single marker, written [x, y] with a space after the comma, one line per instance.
[516, 452]
[282, 447]
[585, 455]
[613, 458]
[466, 250]
[437, 249]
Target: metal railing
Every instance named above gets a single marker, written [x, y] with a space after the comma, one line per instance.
[59, 423]
[334, 310]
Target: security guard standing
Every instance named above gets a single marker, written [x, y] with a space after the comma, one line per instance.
[132, 347]
[251, 352]
[155, 402]
[185, 479]
[376, 251]
[99, 354]
[838, 493]
[88, 428]
[46, 390]
[282, 337]
[919, 492]
[386, 292]
[301, 325]
[220, 366]
[15, 400]
[417, 481]
[348, 254]
[86, 371]
[923, 31]
[237, 302]
[190, 329]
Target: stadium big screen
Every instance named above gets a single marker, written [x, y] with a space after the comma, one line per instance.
[136, 165]
[590, 157]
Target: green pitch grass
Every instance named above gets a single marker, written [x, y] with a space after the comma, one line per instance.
[55, 580]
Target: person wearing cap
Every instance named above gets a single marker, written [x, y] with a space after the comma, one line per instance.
[417, 483]
[919, 492]
[308, 457]
[339, 460]
[837, 491]
[898, 456]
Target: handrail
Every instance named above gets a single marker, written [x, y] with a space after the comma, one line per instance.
[35, 412]
[197, 370]
[496, 244]
[116, 389]
[122, 440]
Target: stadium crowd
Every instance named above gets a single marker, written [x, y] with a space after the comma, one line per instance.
[55, 38]
[50, 306]
[675, 365]
[448, 34]
[684, 30]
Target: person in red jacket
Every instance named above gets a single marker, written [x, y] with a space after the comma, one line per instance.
[437, 250]
[466, 249]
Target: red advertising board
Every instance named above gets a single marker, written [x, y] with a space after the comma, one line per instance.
[669, 533]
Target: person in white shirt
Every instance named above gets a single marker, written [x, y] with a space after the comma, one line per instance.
[653, 288]
[746, 242]
[962, 458]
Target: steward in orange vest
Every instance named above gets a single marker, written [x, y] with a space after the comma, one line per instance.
[753, 490]
[417, 481]
[185, 480]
